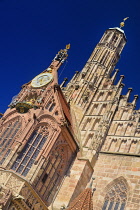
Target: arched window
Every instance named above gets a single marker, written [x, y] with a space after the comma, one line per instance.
[114, 38]
[27, 157]
[7, 138]
[116, 197]
[96, 54]
[57, 165]
[107, 36]
[120, 46]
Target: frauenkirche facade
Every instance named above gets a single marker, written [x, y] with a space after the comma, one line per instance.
[55, 139]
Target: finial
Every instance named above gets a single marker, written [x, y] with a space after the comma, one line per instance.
[64, 81]
[135, 100]
[114, 76]
[128, 93]
[122, 24]
[67, 46]
[120, 81]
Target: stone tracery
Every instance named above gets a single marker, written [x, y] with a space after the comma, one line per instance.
[7, 137]
[116, 196]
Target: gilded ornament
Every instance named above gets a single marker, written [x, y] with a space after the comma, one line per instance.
[122, 24]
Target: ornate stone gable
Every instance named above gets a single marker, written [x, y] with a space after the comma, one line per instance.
[16, 191]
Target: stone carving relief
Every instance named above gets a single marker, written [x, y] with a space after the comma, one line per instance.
[5, 197]
[3, 177]
[14, 189]
[51, 122]
[134, 116]
[43, 130]
[103, 126]
[14, 184]
[30, 200]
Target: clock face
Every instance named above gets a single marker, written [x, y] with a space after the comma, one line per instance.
[41, 80]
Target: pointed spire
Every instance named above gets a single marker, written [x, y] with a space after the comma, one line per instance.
[114, 75]
[120, 89]
[75, 75]
[64, 81]
[135, 100]
[120, 81]
[128, 93]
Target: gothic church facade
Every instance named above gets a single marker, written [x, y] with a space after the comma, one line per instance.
[54, 139]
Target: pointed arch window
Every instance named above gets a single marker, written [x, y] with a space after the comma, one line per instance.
[57, 165]
[96, 54]
[116, 197]
[7, 138]
[27, 157]
[120, 46]
[115, 38]
[106, 37]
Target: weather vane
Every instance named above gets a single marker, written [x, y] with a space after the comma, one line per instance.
[122, 24]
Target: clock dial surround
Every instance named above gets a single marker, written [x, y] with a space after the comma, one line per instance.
[42, 79]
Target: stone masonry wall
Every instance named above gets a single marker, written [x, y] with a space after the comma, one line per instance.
[110, 167]
[74, 183]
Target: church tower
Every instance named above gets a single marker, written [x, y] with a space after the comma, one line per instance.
[54, 139]
[37, 145]
[92, 93]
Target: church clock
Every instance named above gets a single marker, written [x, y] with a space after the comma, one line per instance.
[41, 80]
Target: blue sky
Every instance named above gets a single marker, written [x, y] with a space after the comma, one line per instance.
[33, 31]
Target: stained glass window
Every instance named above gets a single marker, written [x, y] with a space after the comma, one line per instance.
[57, 164]
[7, 139]
[28, 155]
[116, 197]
